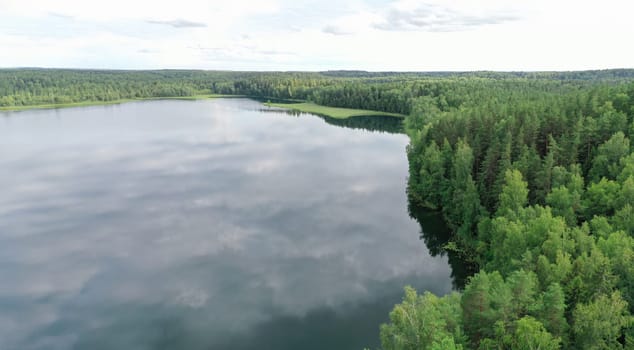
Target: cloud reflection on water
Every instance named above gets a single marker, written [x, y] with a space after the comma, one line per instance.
[200, 224]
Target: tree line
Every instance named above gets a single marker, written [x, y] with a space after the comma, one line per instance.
[536, 182]
[386, 91]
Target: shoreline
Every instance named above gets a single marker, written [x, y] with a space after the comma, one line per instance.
[113, 102]
[333, 112]
[304, 107]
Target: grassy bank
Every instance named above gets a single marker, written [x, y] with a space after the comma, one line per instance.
[103, 103]
[333, 112]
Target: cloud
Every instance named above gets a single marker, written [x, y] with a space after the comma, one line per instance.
[234, 53]
[335, 30]
[179, 23]
[60, 15]
[452, 34]
[276, 53]
[436, 18]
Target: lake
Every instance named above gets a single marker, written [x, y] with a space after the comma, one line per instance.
[210, 224]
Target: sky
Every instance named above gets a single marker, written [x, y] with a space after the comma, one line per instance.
[314, 35]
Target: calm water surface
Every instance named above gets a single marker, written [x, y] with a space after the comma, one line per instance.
[202, 225]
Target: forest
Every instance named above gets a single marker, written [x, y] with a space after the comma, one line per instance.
[536, 182]
[387, 92]
[533, 174]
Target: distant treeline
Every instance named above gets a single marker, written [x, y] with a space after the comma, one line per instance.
[393, 92]
[31, 87]
[570, 75]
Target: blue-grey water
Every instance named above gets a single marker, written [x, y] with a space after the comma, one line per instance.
[202, 225]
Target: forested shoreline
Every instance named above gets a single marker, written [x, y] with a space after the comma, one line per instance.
[391, 92]
[532, 172]
[537, 184]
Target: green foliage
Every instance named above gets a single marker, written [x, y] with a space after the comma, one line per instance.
[423, 322]
[513, 313]
[553, 169]
[619, 248]
[530, 334]
[565, 199]
[600, 198]
[514, 195]
[432, 176]
[598, 324]
[34, 87]
[606, 162]
[446, 343]
[552, 311]
[485, 301]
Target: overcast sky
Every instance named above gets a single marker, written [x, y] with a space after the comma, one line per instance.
[399, 35]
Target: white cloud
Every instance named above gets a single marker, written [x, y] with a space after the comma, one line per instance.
[317, 35]
[335, 30]
[180, 23]
[195, 10]
[415, 16]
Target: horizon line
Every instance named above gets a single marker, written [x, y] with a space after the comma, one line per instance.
[315, 71]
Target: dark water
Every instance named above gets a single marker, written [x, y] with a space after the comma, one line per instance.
[436, 235]
[382, 123]
[202, 225]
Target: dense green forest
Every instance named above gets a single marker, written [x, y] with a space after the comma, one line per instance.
[532, 172]
[386, 92]
[536, 182]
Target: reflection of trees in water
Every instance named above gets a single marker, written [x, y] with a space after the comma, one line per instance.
[281, 110]
[382, 123]
[435, 233]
